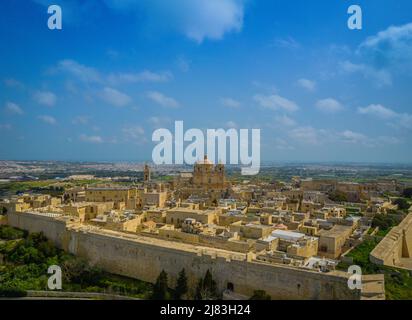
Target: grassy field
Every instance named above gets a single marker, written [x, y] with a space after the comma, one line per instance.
[398, 283]
[39, 186]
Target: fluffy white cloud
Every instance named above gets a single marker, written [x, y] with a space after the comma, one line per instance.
[196, 19]
[162, 99]
[45, 98]
[378, 110]
[135, 134]
[307, 84]
[403, 120]
[47, 119]
[79, 71]
[308, 135]
[13, 108]
[384, 54]
[352, 137]
[379, 77]
[275, 102]
[115, 97]
[329, 105]
[390, 48]
[230, 102]
[91, 139]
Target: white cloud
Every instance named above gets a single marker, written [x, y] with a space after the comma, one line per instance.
[196, 19]
[213, 18]
[384, 54]
[390, 48]
[230, 102]
[329, 105]
[81, 120]
[13, 83]
[378, 110]
[380, 77]
[308, 135]
[275, 102]
[115, 97]
[135, 134]
[307, 84]
[47, 119]
[162, 100]
[144, 76]
[285, 121]
[282, 144]
[159, 121]
[354, 137]
[45, 98]
[13, 108]
[403, 120]
[79, 71]
[91, 75]
[231, 124]
[288, 43]
[91, 139]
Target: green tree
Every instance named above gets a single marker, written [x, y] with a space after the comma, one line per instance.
[9, 233]
[160, 289]
[402, 204]
[407, 193]
[338, 196]
[260, 295]
[181, 286]
[206, 288]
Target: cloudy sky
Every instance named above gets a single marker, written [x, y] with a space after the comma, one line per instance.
[118, 70]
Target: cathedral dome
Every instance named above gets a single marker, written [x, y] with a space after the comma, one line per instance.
[205, 161]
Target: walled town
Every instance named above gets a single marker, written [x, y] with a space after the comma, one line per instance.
[286, 238]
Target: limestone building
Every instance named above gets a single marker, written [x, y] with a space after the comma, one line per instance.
[208, 176]
[146, 173]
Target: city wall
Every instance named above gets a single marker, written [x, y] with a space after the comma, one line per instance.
[396, 245]
[144, 258]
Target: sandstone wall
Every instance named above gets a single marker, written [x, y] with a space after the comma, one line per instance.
[53, 229]
[396, 245]
[144, 258]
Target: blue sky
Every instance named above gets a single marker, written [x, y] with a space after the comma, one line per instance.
[118, 70]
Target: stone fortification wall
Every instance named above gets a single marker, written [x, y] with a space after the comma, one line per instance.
[144, 258]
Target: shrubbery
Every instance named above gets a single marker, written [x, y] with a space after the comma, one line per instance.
[11, 292]
[386, 222]
[402, 204]
[407, 193]
[27, 258]
[9, 233]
